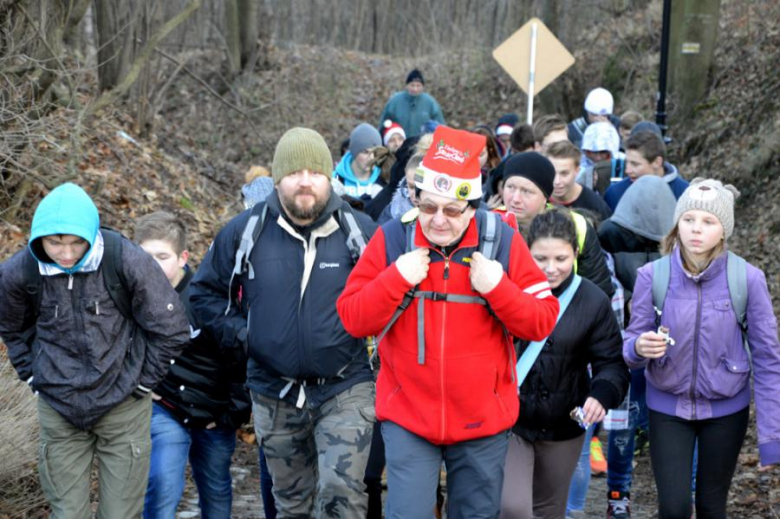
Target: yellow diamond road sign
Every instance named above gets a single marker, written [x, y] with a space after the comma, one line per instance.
[552, 58]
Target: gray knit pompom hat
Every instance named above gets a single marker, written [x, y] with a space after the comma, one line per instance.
[710, 195]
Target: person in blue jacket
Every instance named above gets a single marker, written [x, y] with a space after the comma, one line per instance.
[91, 359]
[645, 155]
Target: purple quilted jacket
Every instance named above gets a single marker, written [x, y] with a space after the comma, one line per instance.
[706, 373]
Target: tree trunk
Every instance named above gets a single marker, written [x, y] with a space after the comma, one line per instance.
[694, 33]
[233, 35]
[115, 23]
[242, 28]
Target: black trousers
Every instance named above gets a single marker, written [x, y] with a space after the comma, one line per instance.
[672, 442]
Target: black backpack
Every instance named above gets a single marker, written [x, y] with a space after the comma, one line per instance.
[113, 277]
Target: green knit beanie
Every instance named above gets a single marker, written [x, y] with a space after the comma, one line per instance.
[301, 148]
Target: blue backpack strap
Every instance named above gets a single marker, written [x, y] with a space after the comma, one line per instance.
[531, 353]
[661, 275]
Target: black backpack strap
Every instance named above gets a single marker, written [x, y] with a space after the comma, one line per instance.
[32, 283]
[113, 274]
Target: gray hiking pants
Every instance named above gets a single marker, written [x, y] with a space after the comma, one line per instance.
[475, 471]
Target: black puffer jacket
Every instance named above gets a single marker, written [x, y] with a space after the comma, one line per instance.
[205, 384]
[559, 381]
[86, 357]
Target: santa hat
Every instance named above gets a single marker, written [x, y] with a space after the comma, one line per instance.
[506, 124]
[450, 168]
[391, 128]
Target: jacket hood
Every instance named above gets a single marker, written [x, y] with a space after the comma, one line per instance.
[647, 208]
[68, 209]
[670, 172]
[344, 172]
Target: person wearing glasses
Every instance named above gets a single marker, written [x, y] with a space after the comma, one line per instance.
[445, 313]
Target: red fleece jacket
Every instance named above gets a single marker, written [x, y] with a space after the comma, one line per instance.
[466, 388]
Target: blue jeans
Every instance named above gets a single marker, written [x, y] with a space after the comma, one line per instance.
[620, 451]
[638, 392]
[209, 452]
[580, 480]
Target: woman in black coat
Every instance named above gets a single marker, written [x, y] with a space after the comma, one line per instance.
[546, 442]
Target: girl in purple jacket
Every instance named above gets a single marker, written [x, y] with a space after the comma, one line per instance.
[698, 378]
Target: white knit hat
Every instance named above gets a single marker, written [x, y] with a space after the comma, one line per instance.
[710, 195]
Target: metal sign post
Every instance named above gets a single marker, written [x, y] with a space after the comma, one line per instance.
[531, 74]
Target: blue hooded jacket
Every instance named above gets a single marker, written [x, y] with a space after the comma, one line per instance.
[352, 185]
[68, 209]
[85, 357]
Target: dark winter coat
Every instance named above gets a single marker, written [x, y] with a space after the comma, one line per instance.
[287, 322]
[205, 384]
[559, 381]
[87, 357]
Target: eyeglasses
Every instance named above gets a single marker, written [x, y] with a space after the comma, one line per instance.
[450, 211]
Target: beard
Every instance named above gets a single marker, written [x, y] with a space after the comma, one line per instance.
[304, 212]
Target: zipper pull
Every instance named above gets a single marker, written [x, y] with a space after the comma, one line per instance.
[97, 308]
[70, 282]
[56, 311]
[446, 268]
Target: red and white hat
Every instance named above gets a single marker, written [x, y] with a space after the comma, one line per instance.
[450, 168]
[391, 128]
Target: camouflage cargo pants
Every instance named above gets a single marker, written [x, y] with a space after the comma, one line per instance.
[317, 457]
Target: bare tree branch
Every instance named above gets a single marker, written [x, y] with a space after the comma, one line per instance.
[209, 89]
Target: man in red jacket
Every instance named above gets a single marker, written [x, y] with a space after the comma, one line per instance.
[447, 389]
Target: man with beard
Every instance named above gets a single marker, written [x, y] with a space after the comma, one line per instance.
[311, 382]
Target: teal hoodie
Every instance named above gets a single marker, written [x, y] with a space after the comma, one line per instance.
[68, 209]
[352, 186]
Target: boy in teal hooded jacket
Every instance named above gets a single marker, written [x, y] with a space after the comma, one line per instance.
[91, 367]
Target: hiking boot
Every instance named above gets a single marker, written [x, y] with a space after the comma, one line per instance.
[598, 463]
[618, 505]
[641, 442]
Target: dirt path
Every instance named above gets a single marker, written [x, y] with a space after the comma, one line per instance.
[248, 505]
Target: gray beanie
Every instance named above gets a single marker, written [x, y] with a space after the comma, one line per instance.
[364, 136]
[647, 208]
[710, 195]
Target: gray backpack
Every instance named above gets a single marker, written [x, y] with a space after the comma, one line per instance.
[736, 274]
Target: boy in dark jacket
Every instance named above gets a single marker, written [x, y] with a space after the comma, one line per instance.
[92, 366]
[200, 403]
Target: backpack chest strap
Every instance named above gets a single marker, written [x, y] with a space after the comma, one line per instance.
[436, 296]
